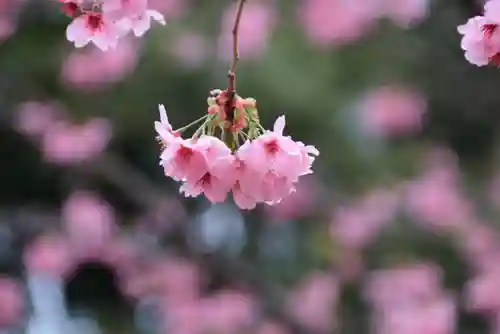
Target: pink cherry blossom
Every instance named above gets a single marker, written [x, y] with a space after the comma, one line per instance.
[405, 12]
[93, 27]
[132, 15]
[434, 317]
[11, 302]
[93, 69]
[190, 49]
[50, 255]
[272, 328]
[257, 23]
[89, 223]
[33, 118]
[393, 111]
[314, 302]
[66, 144]
[337, 22]
[482, 293]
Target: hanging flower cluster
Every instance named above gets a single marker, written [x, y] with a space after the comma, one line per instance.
[232, 152]
[481, 36]
[104, 22]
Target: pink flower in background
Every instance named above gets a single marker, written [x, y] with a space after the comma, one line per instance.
[92, 68]
[434, 317]
[190, 49]
[11, 302]
[49, 255]
[482, 292]
[89, 223]
[32, 118]
[314, 302]
[68, 144]
[337, 22]
[272, 328]
[7, 28]
[299, 204]
[480, 246]
[357, 225]
[227, 312]
[256, 25]
[414, 282]
[435, 200]
[393, 111]
[405, 12]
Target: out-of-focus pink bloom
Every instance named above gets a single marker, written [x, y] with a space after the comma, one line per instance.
[393, 111]
[176, 280]
[11, 302]
[183, 318]
[437, 204]
[434, 317]
[300, 203]
[272, 328]
[405, 12]
[89, 223]
[257, 23]
[416, 282]
[480, 245]
[314, 302]
[33, 118]
[227, 312]
[190, 49]
[92, 68]
[482, 292]
[337, 22]
[7, 28]
[68, 144]
[49, 255]
[357, 225]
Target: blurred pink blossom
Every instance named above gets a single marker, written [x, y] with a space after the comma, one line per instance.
[482, 293]
[405, 12]
[414, 282]
[480, 246]
[89, 223]
[358, 224]
[68, 144]
[49, 254]
[92, 68]
[437, 316]
[227, 312]
[435, 198]
[11, 302]
[190, 49]
[337, 22]
[393, 111]
[7, 28]
[314, 302]
[298, 204]
[256, 25]
[32, 118]
[270, 327]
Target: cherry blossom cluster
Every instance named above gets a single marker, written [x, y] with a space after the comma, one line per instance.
[481, 36]
[232, 152]
[104, 22]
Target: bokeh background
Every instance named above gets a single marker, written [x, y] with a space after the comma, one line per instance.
[395, 233]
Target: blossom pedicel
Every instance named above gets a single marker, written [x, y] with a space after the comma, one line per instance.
[104, 22]
[234, 153]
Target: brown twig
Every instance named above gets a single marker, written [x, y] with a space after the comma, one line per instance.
[236, 53]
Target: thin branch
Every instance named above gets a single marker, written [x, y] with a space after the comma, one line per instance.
[236, 54]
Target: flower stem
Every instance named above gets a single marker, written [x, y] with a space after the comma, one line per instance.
[184, 128]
